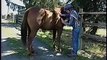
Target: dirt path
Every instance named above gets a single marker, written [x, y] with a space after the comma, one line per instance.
[43, 52]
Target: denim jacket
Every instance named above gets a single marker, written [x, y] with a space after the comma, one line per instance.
[73, 18]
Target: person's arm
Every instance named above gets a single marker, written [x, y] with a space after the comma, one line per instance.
[66, 15]
[71, 20]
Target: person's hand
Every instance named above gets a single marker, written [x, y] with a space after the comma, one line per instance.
[64, 22]
[62, 15]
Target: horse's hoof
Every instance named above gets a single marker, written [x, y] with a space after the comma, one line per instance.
[33, 51]
[58, 54]
[55, 51]
[36, 53]
[30, 54]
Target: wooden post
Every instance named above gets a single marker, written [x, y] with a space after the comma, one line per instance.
[17, 15]
[12, 17]
[81, 33]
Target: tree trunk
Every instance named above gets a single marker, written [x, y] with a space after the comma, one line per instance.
[94, 29]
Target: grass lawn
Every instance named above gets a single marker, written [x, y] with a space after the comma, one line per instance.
[16, 45]
[92, 50]
[9, 32]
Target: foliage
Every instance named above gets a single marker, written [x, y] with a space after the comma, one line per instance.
[41, 3]
[92, 6]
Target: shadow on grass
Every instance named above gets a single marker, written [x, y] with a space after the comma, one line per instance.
[46, 38]
[17, 46]
[66, 36]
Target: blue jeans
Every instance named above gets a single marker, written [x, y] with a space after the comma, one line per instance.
[75, 40]
[75, 35]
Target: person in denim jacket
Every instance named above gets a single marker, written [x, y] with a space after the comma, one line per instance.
[73, 20]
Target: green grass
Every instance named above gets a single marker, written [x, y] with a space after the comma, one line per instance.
[9, 21]
[9, 32]
[101, 32]
[16, 45]
[98, 49]
[45, 37]
[92, 48]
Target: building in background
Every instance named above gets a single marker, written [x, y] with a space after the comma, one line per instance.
[10, 8]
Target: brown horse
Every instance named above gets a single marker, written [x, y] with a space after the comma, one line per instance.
[39, 18]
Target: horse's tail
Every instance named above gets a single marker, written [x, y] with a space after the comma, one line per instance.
[24, 28]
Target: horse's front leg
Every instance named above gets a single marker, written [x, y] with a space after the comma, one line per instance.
[59, 32]
[54, 41]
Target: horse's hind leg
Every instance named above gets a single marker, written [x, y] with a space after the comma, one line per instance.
[29, 31]
[30, 39]
[54, 40]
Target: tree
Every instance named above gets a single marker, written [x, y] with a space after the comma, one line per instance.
[91, 6]
[41, 3]
[94, 6]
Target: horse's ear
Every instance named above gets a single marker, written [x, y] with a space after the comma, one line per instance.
[62, 9]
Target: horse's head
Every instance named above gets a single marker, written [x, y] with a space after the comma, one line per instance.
[57, 15]
[60, 11]
[63, 12]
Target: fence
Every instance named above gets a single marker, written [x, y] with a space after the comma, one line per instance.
[88, 24]
[20, 18]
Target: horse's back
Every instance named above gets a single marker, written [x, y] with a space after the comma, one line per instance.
[47, 20]
[34, 17]
[43, 18]
[35, 12]
[52, 20]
